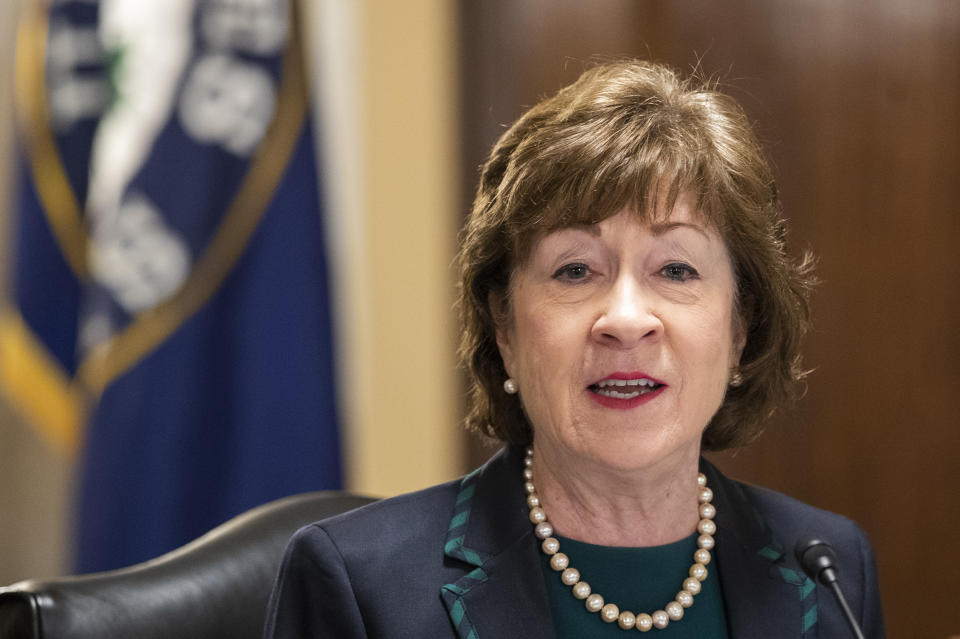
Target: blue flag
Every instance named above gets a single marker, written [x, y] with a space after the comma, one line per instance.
[202, 326]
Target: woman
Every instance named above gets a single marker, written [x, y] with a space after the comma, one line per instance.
[627, 303]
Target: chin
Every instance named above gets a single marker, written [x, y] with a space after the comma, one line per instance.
[628, 455]
[636, 452]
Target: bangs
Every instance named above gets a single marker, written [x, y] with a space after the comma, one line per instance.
[583, 180]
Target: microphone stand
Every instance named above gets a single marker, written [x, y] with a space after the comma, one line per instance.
[847, 613]
[819, 562]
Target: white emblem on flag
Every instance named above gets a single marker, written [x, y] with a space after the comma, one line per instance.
[73, 96]
[227, 101]
[138, 256]
[253, 26]
[133, 253]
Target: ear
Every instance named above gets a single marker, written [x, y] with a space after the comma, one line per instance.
[501, 319]
[739, 340]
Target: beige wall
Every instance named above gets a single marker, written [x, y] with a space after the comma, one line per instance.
[34, 479]
[385, 72]
[406, 434]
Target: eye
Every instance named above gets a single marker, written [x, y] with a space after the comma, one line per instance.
[572, 272]
[679, 272]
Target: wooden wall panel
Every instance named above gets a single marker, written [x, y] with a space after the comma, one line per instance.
[859, 107]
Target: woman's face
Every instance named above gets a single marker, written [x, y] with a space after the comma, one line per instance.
[621, 338]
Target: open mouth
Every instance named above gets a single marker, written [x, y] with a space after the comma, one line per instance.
[624, 388]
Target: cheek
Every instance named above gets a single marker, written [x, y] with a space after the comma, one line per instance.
[547, 346]
[536, 340]
[712, 342]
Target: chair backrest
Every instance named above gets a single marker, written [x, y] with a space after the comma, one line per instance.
[216, 586]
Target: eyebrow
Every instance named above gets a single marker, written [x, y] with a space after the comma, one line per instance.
[592, 229]
[665, 227]
[657, 228]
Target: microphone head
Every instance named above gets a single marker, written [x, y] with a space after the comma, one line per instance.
[817, 559]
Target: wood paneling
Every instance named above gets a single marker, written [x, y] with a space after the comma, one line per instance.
[859, 108]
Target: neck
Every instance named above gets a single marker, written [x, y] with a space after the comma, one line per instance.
[593, 503]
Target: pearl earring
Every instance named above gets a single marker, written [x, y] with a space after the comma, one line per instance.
[736, 378]
[510, 386]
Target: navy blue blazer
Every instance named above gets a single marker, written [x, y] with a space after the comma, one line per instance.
[461, 560]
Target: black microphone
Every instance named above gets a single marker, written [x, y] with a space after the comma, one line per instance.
[820, 563]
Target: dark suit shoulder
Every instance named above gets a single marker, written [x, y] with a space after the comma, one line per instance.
[758, 531]
[393, 535]
[341, 574]
[404, 516]
[789, 509]
[791, 519]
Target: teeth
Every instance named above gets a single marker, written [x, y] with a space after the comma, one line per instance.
[624, 388]
[643, 381]
[628, 395]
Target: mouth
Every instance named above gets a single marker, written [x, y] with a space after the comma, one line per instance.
[622, 390]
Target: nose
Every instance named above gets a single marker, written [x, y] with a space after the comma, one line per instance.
[627, 315]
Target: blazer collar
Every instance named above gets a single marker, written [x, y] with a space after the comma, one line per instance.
[490, 533]
[765, 594]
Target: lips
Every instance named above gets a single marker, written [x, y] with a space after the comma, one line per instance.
[625, 390]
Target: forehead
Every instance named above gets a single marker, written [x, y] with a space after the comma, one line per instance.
[660, 221]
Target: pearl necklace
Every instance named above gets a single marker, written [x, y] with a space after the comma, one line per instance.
[594, 602]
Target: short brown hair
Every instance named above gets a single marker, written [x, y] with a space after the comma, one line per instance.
[630, 134]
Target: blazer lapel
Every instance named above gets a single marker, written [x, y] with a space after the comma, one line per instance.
[502, 594]
[765, 594]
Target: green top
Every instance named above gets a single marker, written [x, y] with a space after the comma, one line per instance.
[636, 579]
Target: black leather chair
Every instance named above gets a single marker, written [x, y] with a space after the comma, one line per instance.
[214, 587]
